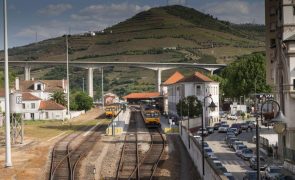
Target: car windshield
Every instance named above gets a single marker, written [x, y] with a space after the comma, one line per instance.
[247, 151]
[241, 147]
[208, 150]
[224, 125]
[275, 170]
[217, 124]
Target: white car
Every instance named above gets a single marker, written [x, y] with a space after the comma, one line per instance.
[223, 128]
[232, 117]
[239, 149]
[198, 138]
[205, 132]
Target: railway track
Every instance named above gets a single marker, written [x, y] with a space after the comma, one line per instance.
[65, 159]
[129, 155]
[130, 167]
[152, 157]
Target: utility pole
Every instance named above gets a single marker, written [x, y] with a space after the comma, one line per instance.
[8, 162]
[68, 79]
[102, 97]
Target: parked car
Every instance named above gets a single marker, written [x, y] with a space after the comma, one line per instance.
[198, 138]
[231, 141]
[228, 141]
[208, 151]
[273, 172]
[250, 175]
[223, 122]
[262, 163]
[217, 163]
[238, 126]
[216, 126]
[229, 176]
[228, 136]
[247, 154]
[251, 124]
[232, 117]
[204, 131]
[213, 157]
[210, 129]
[234, 130]
[239, 149]
[236, 143]
[223, 128]
[244, 126]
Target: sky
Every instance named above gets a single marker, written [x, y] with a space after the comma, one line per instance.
[35, 20]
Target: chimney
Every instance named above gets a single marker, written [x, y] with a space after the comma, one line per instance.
[63, 84]
[17, 83]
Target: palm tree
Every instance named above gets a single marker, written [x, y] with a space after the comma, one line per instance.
[59, 97]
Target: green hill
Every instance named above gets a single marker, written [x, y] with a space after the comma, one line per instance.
[164, 34]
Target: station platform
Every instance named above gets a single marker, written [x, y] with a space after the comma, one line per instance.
[167, 127]
[120, 124]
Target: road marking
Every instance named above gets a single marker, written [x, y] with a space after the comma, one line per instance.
[56, 136]
[86, 133]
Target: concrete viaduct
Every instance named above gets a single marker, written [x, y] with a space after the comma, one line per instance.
[91, 66]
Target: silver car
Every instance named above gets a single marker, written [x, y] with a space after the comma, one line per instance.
[273, 172]
[247, 154]
[208, 151]
[239, 149]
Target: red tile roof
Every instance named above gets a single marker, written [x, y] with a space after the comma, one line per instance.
[197, 77]
[50, 105]
[144, 95]
[29, 97]
[174, 78]
[50, 85]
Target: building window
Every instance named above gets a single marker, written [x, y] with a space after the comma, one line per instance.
[32, 116]
[46, 115]
[272, 11]
[24, 106]
[39, 87]
[33, 105]
[293, 10]
[293, 84]
[198, 90]
[272, 26]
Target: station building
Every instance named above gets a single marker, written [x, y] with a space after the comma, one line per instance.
[139, 98]
[197, 85]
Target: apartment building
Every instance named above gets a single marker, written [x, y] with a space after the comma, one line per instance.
[280, 54]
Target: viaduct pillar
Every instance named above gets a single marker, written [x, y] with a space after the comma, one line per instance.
[90, 81]
[27, 72]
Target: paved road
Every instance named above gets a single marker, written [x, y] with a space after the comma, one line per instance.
[231, 162]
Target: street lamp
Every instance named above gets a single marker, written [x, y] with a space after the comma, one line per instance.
[278, 119]
[212, 107]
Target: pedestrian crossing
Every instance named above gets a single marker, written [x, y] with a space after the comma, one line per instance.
[234, 162]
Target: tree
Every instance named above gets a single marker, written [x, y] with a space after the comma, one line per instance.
[83, 101]
[59, 97]
[245, 75]
[189, 106]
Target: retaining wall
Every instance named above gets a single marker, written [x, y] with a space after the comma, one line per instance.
[194, 150]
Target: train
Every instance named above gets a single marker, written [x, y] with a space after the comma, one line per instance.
[151, 116]
[112, 110]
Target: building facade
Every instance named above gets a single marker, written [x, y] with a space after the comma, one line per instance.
[164, 88]
[280, 53]
[32, 99]
[197, 85]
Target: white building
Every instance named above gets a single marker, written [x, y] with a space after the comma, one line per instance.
[280, 53]
[197, 85]
[32, 99]
[164, 88]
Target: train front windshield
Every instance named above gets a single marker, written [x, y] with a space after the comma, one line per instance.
[152, 114]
